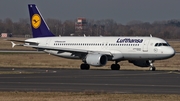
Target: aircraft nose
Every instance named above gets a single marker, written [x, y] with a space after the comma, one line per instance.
[171, 52]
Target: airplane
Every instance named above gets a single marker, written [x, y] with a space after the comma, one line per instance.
[96, 50]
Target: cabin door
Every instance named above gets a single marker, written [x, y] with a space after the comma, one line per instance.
[104, 45]
[48, 42]
[145, 46]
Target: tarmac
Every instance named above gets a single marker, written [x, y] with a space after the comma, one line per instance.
[74, 80]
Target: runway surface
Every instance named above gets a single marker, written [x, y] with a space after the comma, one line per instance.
[157, 82]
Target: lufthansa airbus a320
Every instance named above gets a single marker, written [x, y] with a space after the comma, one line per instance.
[96, 51]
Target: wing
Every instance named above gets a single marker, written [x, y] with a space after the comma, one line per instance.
[111, 54]
[72, 50]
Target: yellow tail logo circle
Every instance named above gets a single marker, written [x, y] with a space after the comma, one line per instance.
[36, 21]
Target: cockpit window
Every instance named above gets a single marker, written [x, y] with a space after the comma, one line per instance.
[156, 44]
[161, 44]
[165, 44]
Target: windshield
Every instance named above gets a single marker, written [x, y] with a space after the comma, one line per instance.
[162, 44]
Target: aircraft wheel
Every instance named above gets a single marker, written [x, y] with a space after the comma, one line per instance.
[115, 67]
[84, 67]
[152, 68]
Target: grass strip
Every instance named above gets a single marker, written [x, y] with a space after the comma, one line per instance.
[84, 96]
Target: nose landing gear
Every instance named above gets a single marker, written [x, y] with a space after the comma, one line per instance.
[152, 67]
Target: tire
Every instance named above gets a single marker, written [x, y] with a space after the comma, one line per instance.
[115, 67]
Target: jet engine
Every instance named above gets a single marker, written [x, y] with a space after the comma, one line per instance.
[96, 59]
[141, 63]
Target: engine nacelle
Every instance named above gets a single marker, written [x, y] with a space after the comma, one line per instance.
[141, 63]
[96, 59]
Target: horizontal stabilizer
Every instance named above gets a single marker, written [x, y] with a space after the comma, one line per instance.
[13, 44]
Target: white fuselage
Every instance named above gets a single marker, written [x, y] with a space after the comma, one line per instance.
[120, 48]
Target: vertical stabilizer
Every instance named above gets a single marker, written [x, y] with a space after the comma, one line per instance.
[38, 24]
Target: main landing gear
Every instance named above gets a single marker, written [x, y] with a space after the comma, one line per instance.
[115, 66]
[84, 66]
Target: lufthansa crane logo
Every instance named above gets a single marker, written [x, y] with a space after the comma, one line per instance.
[36, 21]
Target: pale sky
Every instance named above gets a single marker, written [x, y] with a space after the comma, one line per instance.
[121, 11]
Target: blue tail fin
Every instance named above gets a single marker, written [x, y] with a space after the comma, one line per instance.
[38, 24]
